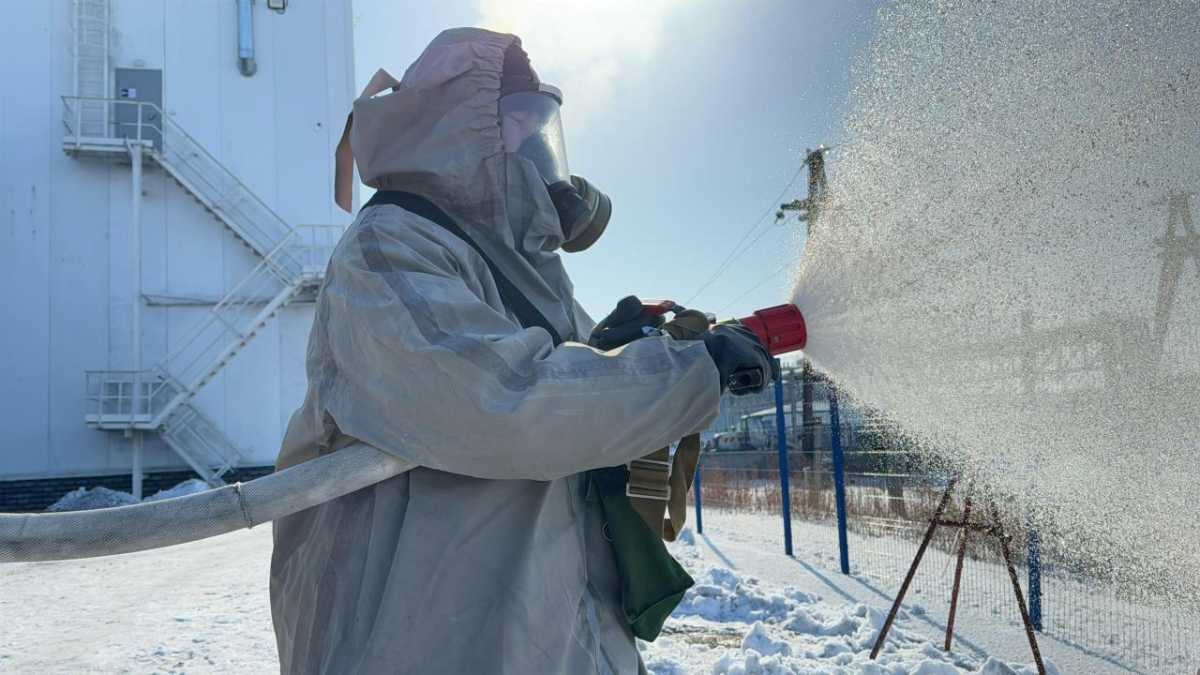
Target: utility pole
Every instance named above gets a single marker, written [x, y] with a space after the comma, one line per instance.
[806, 418]
[809, 208]
[1177, 248]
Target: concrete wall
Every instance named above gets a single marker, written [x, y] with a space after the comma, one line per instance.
[65, 263]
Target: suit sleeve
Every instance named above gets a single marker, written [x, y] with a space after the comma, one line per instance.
[425, 366]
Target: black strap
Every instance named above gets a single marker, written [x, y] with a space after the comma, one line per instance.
[513, 298]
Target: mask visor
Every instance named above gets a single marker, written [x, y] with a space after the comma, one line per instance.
[531, 127]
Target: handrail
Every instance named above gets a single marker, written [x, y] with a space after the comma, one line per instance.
[232, 301]
[98, 397]
[141, 123]
[315, 244]
[193, 165]
[293, 257]
[175, 127]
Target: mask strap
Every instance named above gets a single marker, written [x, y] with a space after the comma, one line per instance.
[343, 157]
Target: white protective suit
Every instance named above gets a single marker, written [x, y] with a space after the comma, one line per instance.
[490, 557]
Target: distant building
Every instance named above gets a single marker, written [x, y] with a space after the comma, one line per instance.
[750, 423]
[167, 208]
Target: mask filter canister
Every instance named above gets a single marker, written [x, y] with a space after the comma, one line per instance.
[583, 211]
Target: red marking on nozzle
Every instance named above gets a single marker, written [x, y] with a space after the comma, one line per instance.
[780, 328]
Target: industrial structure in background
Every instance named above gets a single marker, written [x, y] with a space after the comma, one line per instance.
[167, 192]
[752, 423]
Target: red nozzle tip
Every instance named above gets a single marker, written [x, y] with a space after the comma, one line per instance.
[780, 328]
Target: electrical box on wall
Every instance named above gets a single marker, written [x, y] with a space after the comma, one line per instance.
[138, 110]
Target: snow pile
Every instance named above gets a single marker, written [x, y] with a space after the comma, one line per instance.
[998, 667]
[187, 487]
[721, 595]
[83, 499]
[730, 624]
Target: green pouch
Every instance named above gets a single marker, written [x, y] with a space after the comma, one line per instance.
[652, 582]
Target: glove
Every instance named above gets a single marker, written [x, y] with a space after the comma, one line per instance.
[625, 324]
[737, 352]
[688, 324]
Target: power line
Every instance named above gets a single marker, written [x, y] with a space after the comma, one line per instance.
[738, 250]
[755, 287]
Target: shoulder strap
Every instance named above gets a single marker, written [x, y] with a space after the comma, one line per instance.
[513, 298]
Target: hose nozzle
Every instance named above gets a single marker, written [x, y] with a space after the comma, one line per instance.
[780, 328]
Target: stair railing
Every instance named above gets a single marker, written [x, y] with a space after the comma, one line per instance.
[196, 439]
[109, 396]
[224, 193]
[313, 246]
[224, 330]
[202, 174]
[290, 259]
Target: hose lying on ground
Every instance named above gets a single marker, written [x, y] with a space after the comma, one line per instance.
[29, 537]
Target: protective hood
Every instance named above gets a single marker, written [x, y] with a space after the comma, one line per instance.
[437, 134]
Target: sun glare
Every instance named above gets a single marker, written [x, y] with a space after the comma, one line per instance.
[583, 47]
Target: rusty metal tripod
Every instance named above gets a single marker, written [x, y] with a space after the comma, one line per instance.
[995, 529]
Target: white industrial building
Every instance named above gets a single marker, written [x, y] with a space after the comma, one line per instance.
[166, 211]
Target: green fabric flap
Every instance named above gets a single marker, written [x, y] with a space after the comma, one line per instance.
[652, 582]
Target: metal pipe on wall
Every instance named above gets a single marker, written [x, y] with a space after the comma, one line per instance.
[246, 63]
[135, 235]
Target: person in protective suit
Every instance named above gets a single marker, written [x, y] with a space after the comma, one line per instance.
[446, 333]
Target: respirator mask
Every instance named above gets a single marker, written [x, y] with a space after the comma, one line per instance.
[531, 127]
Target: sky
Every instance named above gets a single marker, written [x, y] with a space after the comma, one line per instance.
[693, 116]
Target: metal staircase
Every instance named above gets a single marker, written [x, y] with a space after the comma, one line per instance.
[291, 260]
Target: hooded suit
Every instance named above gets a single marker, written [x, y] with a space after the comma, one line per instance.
[489, 557]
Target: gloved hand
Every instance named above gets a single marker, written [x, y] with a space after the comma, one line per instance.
[688, 324]
[623, 325]
[736, 351]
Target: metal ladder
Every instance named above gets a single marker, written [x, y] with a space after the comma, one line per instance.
[90, 25]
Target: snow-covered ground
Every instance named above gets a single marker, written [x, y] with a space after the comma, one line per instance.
[203, 607]
[735, 623]
[1086, 631]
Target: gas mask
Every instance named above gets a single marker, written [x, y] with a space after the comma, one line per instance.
[531, 127]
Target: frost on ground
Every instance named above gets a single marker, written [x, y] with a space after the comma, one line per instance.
[82, 499]
[730, 624]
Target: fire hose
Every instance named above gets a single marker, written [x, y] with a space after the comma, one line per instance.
[30, 537]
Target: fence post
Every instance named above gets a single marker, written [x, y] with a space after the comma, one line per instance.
[781, 427]
[696, 491]
[839, 477]
[1034, 591]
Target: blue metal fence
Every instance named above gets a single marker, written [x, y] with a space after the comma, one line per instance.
[839, 479]
[785, 491]
[879, 508]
